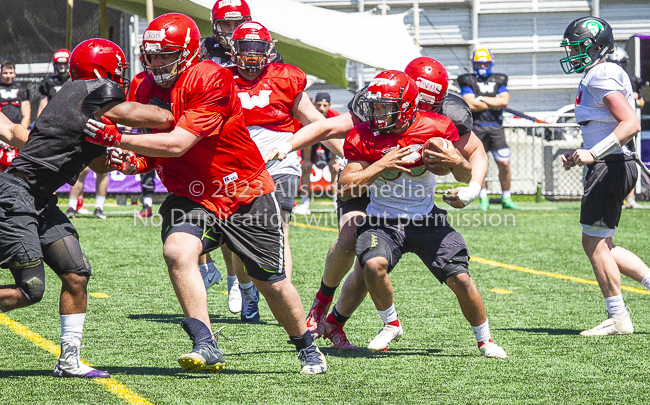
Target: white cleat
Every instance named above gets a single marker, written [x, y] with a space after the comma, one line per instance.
[491, 350]
[70, 365]
[619, 324]
[234, 297]
[302, 209]
[386, 334]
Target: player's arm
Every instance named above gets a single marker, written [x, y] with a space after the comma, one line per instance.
[359, 175]
[499, 102]
[169, 144]
[305, 112]
[475, 105]
[133, 114]
[639, 101]
[15, 135]
[26, 111]
[472, 149]
[42, 103]
[100, 165]
[628, 126]
[319, 131]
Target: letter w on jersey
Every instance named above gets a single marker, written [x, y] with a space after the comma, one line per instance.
[260, 101]
[486, 87]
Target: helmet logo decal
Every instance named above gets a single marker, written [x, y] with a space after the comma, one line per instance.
[429, 85]
[380, 81]
[61, 55]
[233, 15]
[595, 27]
[150, 35]
[224, 3]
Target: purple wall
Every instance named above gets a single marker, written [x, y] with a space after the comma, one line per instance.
[117, 183]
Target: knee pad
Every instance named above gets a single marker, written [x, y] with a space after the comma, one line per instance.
[65, 256]
[370, 246]
[501, 155]
[31, 281]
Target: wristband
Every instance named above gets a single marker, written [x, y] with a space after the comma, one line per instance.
[285, 148]
[605, 147]
[469, 193]
[479, 98]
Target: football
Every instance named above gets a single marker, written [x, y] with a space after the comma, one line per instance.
[436, 144]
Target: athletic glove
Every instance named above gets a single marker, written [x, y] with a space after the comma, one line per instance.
[103, 133]
[124, 161]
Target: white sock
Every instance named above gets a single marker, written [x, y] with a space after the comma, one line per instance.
[304, 200]
[99, 201]
[482, 193]
[389, 315]
[148, 201]
[505, 194]
[246, 287]
[482, 332]
[615, 304]
[72, 203]
[646, 281]
[72, 327]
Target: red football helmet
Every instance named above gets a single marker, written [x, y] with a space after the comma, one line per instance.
[251, 46]
[61, 61]
[228, 10]
[390, 101]
[166, 36]
[95, 58]
[432, 80]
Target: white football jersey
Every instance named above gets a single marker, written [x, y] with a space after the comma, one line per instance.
[265, 139]
[406, 197]
[595, 120]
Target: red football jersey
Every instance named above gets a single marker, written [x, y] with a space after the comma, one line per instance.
[135, 83]
[268, 100]
[362, 144]
[224, 170]
[332, 113]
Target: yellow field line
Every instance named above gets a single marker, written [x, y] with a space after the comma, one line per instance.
[110, 384]
[509, 266]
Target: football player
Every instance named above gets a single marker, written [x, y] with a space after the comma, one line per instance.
[487, 94]
[605, 111]
[14, 97]
[220, 189]
[226, 16]
[51, 84]
[432, 80]
[399, 219]
[33, 230]
[272, 96]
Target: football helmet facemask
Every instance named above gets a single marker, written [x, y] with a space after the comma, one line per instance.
[95, 58]
[251, 46]
[586, 41]
[432, 80]
[170, 35]
[236, 11]
[390, 101]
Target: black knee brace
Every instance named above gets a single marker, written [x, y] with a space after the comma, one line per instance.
[65, 256]
[31, 281]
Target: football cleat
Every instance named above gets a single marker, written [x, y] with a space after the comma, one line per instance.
[316, 318]
[302, 209]
[508, 204]
[211, 275]
[619, 324]
[491, 350]
[145, 213]
[312, 360]
[205, 356]
[70, 212]
[234, 296]
[250, 312]
[337, 337]
[386, 334]
[99, 213]
[70, 365]
[483, 203]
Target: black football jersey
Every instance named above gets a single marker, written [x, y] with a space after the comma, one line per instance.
[211, 49]
[57, 150]
[484, 86]
[11, 96]
[637, 83]
[453, 107]
[51, 85]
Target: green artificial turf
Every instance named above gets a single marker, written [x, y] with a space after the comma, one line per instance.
[135, 334]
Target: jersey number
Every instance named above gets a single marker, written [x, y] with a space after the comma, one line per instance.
[260, 101]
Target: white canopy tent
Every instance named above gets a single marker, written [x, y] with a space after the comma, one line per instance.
[315, 39]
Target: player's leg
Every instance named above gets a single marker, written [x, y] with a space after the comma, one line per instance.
[307, 155]
[599, 216]
[76, 193]
[147, 182]
[100, 195]
[339, 260]
[483, 135]
[333, 166]
[630, 264]
[209, 271]
[235, 269]
[286, 188]
[379, 249]
[184, 239]
[501, 154]
[254, 233]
